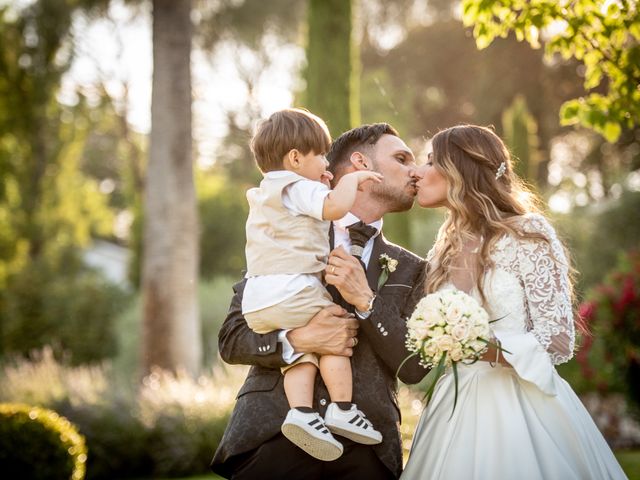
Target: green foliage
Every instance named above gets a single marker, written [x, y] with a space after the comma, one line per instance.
[611, 356]
[168, 426]
[39, 444]
[49, 208]
[223, 210]
[213, 297]
[436, 77]
[598, 233]
[521, 136]
[333, 71]
[72, 309]
[604, 39]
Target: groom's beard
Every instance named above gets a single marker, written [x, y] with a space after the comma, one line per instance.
[394, 198]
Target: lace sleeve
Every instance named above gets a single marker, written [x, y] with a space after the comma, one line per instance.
[544, 273]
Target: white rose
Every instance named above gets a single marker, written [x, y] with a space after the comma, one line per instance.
[460, 331]
[429, 349]
[431, 317]
[478, 346]
[479, 331]
[456, 353]
[437, 332]
[420, 332]
[444, 343]
[454, 313]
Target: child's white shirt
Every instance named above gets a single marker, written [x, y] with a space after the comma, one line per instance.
[304, 197]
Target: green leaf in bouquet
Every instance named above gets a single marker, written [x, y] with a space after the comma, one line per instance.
[491, 344]
[439, 370]
[498, 319]
[455, 379]
[405, 361]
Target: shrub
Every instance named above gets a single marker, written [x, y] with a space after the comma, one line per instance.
[610, 357]
[39, 444]
[74, 311]
[168, 425]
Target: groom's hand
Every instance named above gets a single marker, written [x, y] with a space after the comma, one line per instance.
[345, 272]
[329, 332]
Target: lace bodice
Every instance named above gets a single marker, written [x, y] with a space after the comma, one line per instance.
[528, 289]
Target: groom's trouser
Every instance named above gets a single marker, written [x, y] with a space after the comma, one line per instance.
[278, 459]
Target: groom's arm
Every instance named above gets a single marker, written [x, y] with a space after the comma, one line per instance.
[386, 326]
[327, 333]
[238, 344]
[386, 329]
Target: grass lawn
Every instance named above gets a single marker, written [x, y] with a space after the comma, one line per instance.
[630, 461]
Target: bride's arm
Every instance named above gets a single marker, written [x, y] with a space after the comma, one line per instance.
[544, 274]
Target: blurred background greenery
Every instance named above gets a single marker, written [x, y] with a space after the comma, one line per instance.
[76, 152]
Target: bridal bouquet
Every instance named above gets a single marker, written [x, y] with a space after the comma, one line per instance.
[448, 327]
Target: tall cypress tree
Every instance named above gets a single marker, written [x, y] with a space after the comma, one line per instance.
[333, 65]
[521, 135]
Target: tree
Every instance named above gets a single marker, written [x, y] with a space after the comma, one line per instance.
[521, 135]
[49, 208]
[333, 71]
[171, 337]
[604, 36]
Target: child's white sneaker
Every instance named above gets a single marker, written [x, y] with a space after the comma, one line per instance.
[351, 424]
[308, 431]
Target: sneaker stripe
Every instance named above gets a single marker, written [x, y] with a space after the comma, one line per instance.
[313, 422]
[353, 420]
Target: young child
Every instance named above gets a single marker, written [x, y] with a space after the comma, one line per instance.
[287, 250]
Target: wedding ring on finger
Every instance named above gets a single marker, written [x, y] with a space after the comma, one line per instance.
[332, 270]
[355, 341]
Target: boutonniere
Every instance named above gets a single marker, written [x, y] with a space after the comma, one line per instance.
[388, 265]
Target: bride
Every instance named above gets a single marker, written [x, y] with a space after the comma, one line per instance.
[515, 418]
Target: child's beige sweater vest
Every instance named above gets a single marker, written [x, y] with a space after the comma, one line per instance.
[279, 242]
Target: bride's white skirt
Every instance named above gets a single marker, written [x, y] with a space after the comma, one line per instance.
[506, 428]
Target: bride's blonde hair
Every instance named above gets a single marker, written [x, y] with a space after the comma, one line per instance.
[486, 199]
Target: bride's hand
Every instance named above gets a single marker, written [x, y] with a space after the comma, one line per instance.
[491, 354]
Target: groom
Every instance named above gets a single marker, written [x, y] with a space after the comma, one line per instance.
[374, 336]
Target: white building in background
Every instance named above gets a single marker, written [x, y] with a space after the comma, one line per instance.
[110, 259]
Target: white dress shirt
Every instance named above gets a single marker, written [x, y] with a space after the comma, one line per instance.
[340, 239]
[304, 197]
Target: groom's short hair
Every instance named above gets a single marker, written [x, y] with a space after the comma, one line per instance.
[363, 137]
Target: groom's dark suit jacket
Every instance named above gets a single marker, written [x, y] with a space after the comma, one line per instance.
[261, 403]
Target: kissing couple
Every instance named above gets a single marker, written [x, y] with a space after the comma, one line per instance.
[321, 315]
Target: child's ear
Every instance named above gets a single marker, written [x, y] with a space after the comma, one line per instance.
[294, 158]
[359, 161]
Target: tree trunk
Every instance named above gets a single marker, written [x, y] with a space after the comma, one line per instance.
[171, 336]
[333, 73]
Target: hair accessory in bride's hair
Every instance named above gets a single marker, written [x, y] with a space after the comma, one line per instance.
[501, 169]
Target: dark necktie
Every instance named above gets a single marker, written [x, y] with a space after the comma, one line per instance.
[359, 234]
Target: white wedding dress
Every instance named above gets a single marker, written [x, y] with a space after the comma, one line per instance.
[525, 422]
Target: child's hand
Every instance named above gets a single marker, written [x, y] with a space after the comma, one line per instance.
[326, 178]
[364, 176]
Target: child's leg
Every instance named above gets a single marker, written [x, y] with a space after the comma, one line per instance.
[298, 384]
[343, 417]
[336, 373]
